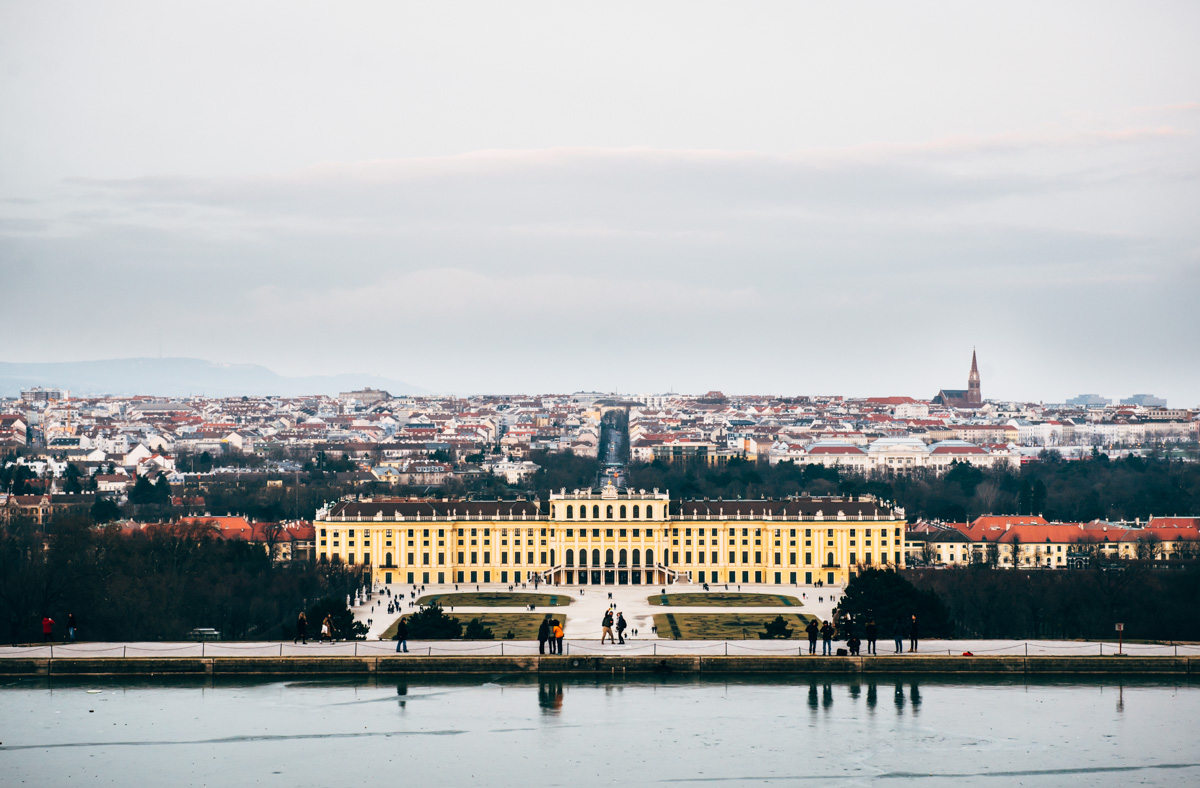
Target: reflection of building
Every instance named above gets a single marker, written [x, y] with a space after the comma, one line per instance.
[970, 397]
[612, 537]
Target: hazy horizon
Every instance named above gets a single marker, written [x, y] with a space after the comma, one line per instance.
[788, 197]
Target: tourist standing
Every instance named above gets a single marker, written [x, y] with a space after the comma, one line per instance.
[71, 627]
[544, 635]
[402, 635]
[872, 631]
[621, 628]
[301, 629]
[826, 639]
[557, 629]
[813, 630]
[898, 634]
[606, 628]
[912, 633]
[47, 629]
[327, 629]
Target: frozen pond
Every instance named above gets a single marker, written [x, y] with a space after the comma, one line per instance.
[580, 732]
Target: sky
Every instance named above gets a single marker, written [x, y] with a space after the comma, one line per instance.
[777, 197]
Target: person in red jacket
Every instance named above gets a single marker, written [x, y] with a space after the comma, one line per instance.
[47, 628]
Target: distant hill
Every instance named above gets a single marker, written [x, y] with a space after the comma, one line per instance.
[181, 377]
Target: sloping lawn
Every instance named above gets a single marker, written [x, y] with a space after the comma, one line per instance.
[725, 599]
[524, 626]
[723, 626]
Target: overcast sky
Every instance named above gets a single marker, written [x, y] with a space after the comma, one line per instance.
[786, 197]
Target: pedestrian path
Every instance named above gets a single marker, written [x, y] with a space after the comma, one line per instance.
[586, 610]
[584, 647]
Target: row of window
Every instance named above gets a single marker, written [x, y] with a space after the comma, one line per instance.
[622, 558]
[622, 512]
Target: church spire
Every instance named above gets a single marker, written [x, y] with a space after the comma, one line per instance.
[974, 395]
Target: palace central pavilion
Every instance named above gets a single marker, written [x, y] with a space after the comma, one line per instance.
[613, 537]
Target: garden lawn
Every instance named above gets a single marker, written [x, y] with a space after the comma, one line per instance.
[524, 626]
[725, 599]
[723, 626]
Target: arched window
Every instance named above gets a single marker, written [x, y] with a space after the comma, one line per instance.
[596, 557]
[622, 558]
[608, 511]
[551, 511]
[830, 561]
[649, 557]
[596, 513]
[387, 559]
[608, 556]
[583, 557]
[637, 557]
[582, 512]
[649, 509]
[570, 512]
[636, 511]
[570, 558]
[623, 511]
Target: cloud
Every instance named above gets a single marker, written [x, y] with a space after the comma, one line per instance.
[636, 267]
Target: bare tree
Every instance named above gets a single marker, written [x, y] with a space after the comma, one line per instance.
[1015, 544]
[1149, 546]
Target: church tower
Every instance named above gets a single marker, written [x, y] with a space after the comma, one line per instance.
[974, 397]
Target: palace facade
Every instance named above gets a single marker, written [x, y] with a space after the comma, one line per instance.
[613, 537]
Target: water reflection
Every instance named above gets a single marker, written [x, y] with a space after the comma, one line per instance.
[550, 696]
[401, 692]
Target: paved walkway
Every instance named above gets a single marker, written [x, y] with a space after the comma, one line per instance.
[583, 618]
[579, 647]
[586, 610]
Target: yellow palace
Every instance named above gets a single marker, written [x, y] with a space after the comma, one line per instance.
[613, 537]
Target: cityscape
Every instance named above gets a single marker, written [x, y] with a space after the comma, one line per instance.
[496, 394]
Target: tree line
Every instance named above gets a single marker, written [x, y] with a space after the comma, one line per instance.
[980, 602]
[1075, 491]
[159, 583]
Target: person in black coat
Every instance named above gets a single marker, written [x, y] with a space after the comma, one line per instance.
[543, 635]
[871, 630]
[912, 633]
[402, 635]
[812, 631]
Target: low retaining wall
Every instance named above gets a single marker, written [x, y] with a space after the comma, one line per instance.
[600, 664]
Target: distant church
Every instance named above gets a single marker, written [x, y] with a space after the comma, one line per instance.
[959, 398]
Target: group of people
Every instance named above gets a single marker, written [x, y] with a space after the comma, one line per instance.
[550, 631]
[327, 629]
[48, 628]
[845, 630]
[613, 618]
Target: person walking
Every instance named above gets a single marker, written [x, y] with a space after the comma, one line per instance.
[543, 635]
[912, 633]
[621, 628]
[872, 631]
[402, 635]
[898, 634]
[813, 630]
[47, 629]
[827, 639]
[71, 627]
[606, 628]
[557, 631]
[301, 629]
[327, 629]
